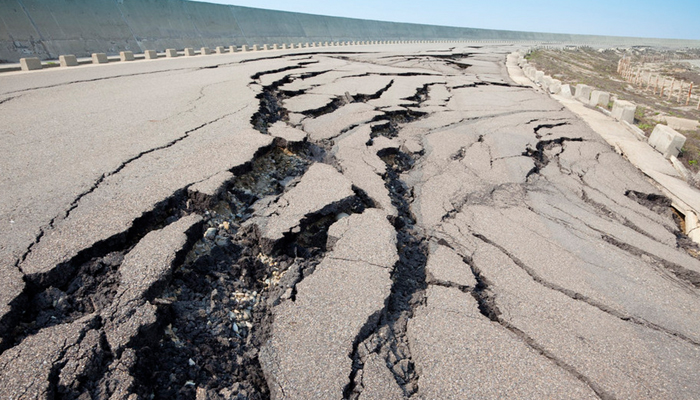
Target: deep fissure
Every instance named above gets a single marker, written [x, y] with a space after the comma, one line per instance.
[385, 332]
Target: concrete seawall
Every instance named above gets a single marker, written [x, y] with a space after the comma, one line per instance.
[49, 28]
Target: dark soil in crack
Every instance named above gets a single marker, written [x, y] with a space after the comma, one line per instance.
[545, 150]
[215, 313]
[85, 284]
[385, 333]
[388, 124]
[271, 97]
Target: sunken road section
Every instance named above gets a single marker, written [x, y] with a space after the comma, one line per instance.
[350, 224]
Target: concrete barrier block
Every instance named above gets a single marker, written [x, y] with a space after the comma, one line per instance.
[30, 63]
[171, 53]
[189, 51]
[275, 47]
[68, 60]
[546, 81]
[565, 91]
[232, 49]
[666, 141]
[220, 50]
[325, 44]
[539, 75]
[599, 98]
[150, 54]
[244, 48]
[624, 111]
[299, 45]
[255, 47]
[205, 51]
[583, 93]
[265, 47]
[555, 86]
[126, 55]
[284, 46]
[99, 58]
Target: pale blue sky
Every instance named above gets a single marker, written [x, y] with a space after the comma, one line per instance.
[679, 19]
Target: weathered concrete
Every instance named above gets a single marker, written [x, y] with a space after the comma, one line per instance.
[220, 50]
[126, 56]
[30, 63]
[189, 52]
[170, 53]
[624, 111]
[205, 51]
[666, 140]
[68, 60]
[566, 90]
[555, 86]
[583, 93]
[99, 58]
[150, 54]
[599, 98]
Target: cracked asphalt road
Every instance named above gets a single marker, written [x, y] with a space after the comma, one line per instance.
[374, 222]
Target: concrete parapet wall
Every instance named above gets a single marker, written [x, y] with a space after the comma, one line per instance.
[49, 28]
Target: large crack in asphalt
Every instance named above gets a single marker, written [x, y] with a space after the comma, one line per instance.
[385, 331]
[74, 204]
[485, 298]
[544, 152]
[592, 302]
[86, 283]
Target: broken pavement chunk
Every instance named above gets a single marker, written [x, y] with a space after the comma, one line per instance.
[319, 190]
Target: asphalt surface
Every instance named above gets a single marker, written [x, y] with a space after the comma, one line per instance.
[367, 222]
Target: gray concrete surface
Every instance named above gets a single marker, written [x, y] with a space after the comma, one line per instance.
[49, 28]
[450, 232]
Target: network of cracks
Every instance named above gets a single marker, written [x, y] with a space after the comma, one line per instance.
[214, 306]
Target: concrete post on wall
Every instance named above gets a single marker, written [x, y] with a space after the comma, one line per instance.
[255, 47]
[150, 54]
[244, 48]
[599, 98]
[171, 53]
[666, 140]
[220, 50]
[189, 51]
[232, 49]
[624, 111]
[68, 60]
[284, 46]
[583, 93]
[126, 55]
[555, 86]
[205, 51]
[565, 91]
[539, 75]
[30, 63]
[99, 58]
[275, 47]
